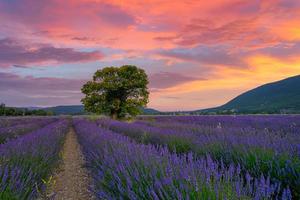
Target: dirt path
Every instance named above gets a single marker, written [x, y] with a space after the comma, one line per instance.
[72, 180]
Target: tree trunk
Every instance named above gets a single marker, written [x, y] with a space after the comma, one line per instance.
[114, 115]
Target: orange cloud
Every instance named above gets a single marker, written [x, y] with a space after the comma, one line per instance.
[226, 83]
[288, 30]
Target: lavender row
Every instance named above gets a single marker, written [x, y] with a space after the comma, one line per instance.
[259, 150]
[193, 136]
[284, 124]
[25, 126]
[124, 169]
[13, 121]
[29, 159]
[285, 140]
[250, 151]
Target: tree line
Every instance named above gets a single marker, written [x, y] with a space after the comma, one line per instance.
[11, 111]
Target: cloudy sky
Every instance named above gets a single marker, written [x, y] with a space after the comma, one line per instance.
[197, 54]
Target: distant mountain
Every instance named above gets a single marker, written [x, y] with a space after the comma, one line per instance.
[67, 110]
[79, 109]
[277, 97]
[31, 108]
[150, 111]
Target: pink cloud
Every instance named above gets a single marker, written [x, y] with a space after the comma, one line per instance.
[26, 91]
[114, 15]
[208, 55]
[68, 13]
[15, 53]
[164, 80]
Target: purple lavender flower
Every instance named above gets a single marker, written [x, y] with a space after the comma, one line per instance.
[259, 144]
[152, 172]
[25, 161]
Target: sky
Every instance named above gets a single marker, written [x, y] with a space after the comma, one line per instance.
[197, 53]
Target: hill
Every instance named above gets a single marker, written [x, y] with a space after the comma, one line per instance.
[66, 110]
[150, 111]
[277, 97]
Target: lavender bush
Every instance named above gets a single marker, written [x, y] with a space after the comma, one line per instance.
[261, 150]
[124, 169]
[23, 126]
[279, 133]
[12, 121]
[27, 160]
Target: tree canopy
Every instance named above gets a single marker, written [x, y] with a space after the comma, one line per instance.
[116, 91]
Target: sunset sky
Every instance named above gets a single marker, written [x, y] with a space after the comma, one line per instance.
[197, 54]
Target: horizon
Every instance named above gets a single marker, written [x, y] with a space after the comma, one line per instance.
[196, 61]
[50, 106]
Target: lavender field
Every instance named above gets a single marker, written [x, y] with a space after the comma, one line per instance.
[157, 157]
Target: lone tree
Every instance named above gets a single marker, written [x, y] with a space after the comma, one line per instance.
[116, 91]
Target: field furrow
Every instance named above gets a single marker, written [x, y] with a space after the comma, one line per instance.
[72, 179]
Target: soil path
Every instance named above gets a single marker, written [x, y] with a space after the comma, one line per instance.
[72, 180]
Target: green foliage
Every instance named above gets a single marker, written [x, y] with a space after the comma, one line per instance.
[179, 145]
[10, 111]
[94, 118]
[117, 92]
